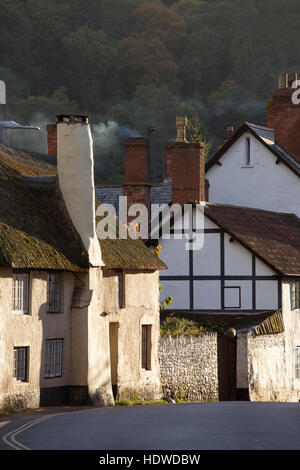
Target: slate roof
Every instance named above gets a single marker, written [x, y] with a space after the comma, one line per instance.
[272, 236]
[266, 136]
[36, 231]
[160, 193]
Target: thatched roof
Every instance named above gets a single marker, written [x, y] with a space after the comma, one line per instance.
[36, 231]
[127, 254]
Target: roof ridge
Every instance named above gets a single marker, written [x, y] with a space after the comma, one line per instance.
[251, 208]
[258, 126]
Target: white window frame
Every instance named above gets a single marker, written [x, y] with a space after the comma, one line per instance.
[53, 358]
[54, 290]
[21, 363]
[297, 362]
[21, 293]
[295, 294]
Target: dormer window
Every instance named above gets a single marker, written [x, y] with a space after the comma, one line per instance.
[248, 151]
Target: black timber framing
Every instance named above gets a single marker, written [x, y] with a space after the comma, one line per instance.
[222, 277]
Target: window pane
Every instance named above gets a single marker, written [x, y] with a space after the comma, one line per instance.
[20, 363]
[53, 358]
[20, 293]
[54, 293]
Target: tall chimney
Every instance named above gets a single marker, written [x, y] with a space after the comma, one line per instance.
[75, 166]
[52, 139]
[284, 115]
[186, 167]
[137, 165]
[137, 171]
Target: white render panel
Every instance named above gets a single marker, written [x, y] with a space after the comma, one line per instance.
[179, 290]
[266, 295]
[207, 295]
[246, 292]
[262, 269]
[208, 224]
[263, 184]
[238, 260]
[176, 257]
[207, 260]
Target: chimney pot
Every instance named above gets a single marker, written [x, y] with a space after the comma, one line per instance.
[229, 131]
[72, 118]
[181, 124]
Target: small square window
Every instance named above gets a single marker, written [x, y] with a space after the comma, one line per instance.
[20, 363]
[54, 293]
[53, 358]
[20, 293]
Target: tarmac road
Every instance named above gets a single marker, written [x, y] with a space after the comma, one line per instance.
[201, 426]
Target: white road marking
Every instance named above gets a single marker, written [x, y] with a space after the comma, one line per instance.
[4, 423]
[10, 437]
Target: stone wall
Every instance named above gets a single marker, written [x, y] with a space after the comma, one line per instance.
[267, 368]
[189, 367]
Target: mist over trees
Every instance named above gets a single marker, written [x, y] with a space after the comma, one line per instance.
[134, 64]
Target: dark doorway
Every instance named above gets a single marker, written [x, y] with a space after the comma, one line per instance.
[114, 353]
[227, 368]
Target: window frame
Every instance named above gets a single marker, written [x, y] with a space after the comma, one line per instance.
[146, 347]
[53, 368]
[248, 152]
[57, 305]
[295, 294]
[17, 376]
[121, 286]
[15, 287]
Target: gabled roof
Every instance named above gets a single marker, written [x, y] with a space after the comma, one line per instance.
[272, 236]
[266, 136]
[36, 231]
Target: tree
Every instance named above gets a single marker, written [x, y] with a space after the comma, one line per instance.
[91, 66]
[196, 134]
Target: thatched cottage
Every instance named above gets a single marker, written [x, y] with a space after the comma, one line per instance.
[79, 317]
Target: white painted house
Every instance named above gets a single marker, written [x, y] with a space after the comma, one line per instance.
[251, 170]
[260, 166]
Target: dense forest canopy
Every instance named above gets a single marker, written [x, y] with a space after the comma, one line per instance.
[135, 64]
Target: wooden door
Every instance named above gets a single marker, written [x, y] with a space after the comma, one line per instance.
[227, 368]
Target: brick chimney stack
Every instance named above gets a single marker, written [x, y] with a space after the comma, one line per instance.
[229, 131]
[284, 115]
[186, 167]
[52, 139]
[137, 171]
